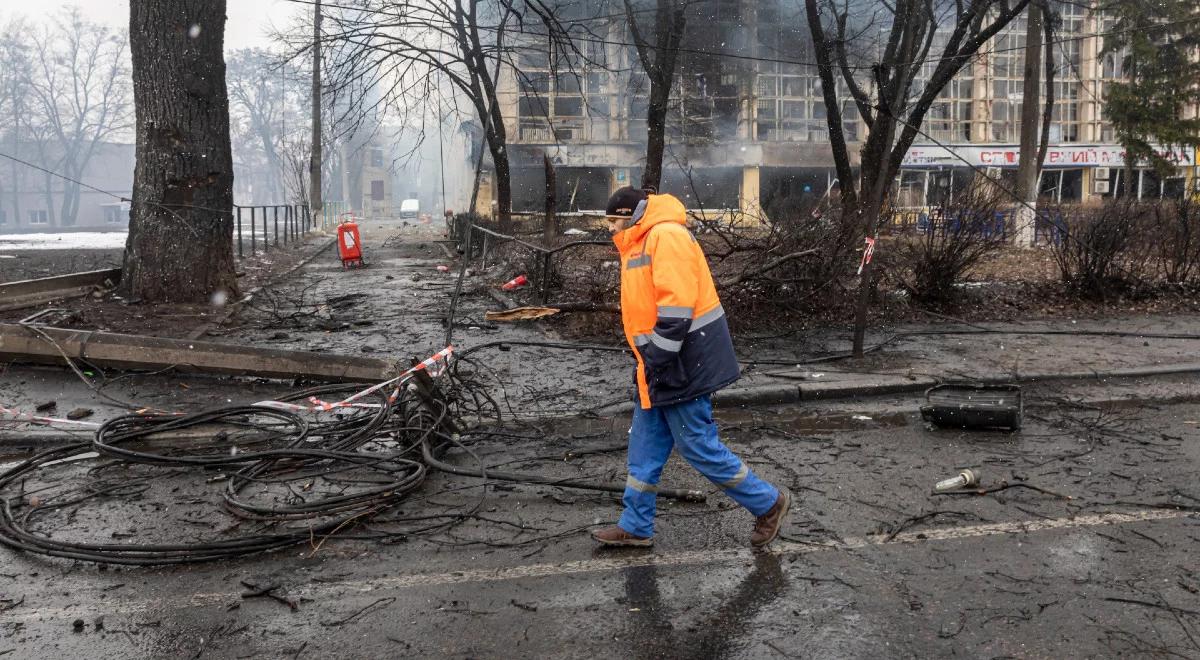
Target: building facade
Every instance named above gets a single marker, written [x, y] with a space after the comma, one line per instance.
[33, 201]
[747, 124]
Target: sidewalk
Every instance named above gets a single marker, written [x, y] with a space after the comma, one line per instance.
[396, 308]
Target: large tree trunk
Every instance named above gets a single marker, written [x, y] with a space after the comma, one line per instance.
[550, 223]
[1024, 217]
[656, 133]
[658, 62]
[503, 188]
[69, 212]
[48, 191]
[314, 162]
[876, 179]
[181, 222]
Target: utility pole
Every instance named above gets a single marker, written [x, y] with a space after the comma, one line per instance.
[442, 148]
[314, 161]
[1025, 216]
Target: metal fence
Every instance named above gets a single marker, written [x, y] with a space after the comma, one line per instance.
[331, 212]
[1049, 223]
[266, 227]
[476, 241]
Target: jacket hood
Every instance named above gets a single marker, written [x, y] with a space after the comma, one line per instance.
[656, 210]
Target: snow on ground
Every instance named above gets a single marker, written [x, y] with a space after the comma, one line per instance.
[65, 241]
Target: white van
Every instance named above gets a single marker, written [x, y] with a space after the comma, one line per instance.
[410, 209]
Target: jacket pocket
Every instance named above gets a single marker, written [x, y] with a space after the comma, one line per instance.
[664, 370]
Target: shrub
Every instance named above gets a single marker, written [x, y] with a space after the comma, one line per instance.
[1173, 237]
[930, 262]
[1102, 250]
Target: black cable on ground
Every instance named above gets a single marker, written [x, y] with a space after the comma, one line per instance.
[291, 479]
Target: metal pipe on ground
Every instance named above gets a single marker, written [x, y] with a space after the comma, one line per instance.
[45, 345]
[27, 293]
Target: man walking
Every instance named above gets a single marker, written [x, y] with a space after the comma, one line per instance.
[677, 329]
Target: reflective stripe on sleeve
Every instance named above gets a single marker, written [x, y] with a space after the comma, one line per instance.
[670, 345]
[641, 340]
[706, 318]
[670, 312]
[737, 479]
[639, 485]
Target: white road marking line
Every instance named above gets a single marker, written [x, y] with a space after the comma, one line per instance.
[685, 558]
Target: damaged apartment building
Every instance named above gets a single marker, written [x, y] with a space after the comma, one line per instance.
[747, 122]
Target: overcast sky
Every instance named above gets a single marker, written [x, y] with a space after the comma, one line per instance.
[247, 21]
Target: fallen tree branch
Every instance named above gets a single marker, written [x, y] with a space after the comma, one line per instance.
[769, 266]
[384, 601]
[531, 313]
[1161, 606]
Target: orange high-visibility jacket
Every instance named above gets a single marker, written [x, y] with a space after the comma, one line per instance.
[669, 306]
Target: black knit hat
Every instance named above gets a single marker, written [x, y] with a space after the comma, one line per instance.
[624, 201]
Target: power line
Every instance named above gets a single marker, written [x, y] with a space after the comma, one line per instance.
[752, 58]
[65, 178]
[169, 208]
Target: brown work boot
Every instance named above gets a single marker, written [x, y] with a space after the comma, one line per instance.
[618, 538]
[766, 526]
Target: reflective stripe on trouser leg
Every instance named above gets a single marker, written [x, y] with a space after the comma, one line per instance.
[696, 439]
[650, 443]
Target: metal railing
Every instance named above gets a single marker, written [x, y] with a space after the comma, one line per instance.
[267, 227]
[331, 212]
[476, 241]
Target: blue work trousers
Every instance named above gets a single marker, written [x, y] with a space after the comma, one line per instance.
[689, 428]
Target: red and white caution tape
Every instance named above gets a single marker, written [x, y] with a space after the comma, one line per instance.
[434, 366]
[868, 252]
[18, 416]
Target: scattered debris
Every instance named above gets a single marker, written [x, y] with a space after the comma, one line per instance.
[268, 591]
[974, 406]
[80, 413]
[967, 477]
[382, 602]
[1004, 485]
[46, 407]
[520, 314]
[524, 606]
[519, 280]
[25, 344]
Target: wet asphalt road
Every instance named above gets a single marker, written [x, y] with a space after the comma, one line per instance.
[873, 564]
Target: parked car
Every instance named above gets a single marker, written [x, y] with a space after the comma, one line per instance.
[410, 209]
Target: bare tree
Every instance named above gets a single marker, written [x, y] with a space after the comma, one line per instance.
[658, 60]
[14, 89]
[903, 84]
[404, 51]
[80, 92]
[268, 108]
[315, 157]
[181, 222]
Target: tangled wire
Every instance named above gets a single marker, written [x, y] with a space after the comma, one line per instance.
[297, 470]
